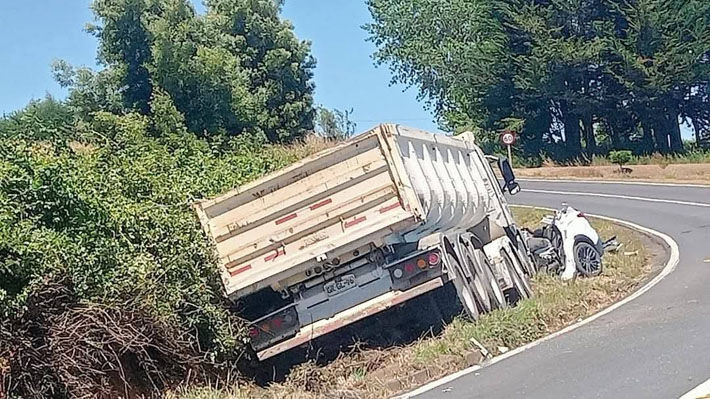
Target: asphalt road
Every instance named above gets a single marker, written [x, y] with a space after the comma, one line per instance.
[655, 347]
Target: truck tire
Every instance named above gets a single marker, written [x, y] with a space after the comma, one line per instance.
[522, 253]
[521, 288]
[515, 257]
[479, 282]
[494, 289]
[463, 289]
[587, 258]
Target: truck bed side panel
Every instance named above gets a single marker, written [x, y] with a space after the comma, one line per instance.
[279, 224]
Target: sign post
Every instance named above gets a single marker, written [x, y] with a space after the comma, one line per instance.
[508, 139]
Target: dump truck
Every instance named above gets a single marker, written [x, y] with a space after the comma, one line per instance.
[369, 224]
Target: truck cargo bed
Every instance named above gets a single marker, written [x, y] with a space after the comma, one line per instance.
[337, 200]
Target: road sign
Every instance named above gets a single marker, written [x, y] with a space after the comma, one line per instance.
[507, 138]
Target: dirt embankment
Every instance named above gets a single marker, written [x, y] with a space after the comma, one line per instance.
[668, 173]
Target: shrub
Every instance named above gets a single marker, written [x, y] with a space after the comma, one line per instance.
[106, 208]
[621, 158]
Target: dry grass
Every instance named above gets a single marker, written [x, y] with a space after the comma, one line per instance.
[363, 374]
[663, 172]
[304, 147]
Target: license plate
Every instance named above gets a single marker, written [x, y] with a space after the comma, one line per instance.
[343, 284]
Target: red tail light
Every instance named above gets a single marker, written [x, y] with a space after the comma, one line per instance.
[277, 323]
[434, 258]
[253, 332]
[409, 267]
[581, 215]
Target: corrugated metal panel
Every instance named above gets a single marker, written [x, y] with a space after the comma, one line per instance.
[446, 178]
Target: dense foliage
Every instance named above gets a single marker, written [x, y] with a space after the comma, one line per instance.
[236, 69]
[103, 265]
[105, 208]
[573, 76]
[334, 124]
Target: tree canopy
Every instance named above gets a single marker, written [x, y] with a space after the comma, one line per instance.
[237, 69]
[585, 76]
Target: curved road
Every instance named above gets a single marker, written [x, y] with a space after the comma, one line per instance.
[654, 347]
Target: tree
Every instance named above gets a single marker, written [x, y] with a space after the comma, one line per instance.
[238, 69]
[566, 67]
[90, 91]
[124, 43]
[451, 62]
[46, 119]
[334, 124]
[621, 158]
[664, 57]
[279, 66]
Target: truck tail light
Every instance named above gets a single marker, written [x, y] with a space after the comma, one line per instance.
[409, 267]
[277, 322]
[422, 263]
[434, 258]
[273, 327]
[397, 273]
[581, 215]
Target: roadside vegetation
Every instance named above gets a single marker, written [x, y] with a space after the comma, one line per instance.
[108, 287]
[381, 372]
[574, 79]
[104, 269]
[662, 172]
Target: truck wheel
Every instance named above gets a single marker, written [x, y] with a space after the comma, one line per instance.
[587, 258]
[518, 265]
[463, 290]
[523, 256]
[521, 285]
[494, 289]
[478, 283]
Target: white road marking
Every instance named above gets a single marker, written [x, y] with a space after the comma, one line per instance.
[702, 391]
[629, 197]
[669, 267]
[640, 183]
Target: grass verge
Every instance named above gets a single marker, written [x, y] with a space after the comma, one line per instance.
[662, 172]
[377, 373]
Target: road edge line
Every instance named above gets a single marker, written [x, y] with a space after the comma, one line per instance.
[699, 392]
[642, 183]
[624, 197]
[671, 264]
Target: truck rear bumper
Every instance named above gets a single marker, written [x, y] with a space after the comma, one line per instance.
[349, 316]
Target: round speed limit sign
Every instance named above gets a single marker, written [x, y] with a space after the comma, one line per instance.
[508, 138]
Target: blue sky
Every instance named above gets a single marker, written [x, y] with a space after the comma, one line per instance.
[33, 33]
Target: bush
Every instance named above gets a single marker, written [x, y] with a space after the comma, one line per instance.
[620, 157]
[105, 208]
